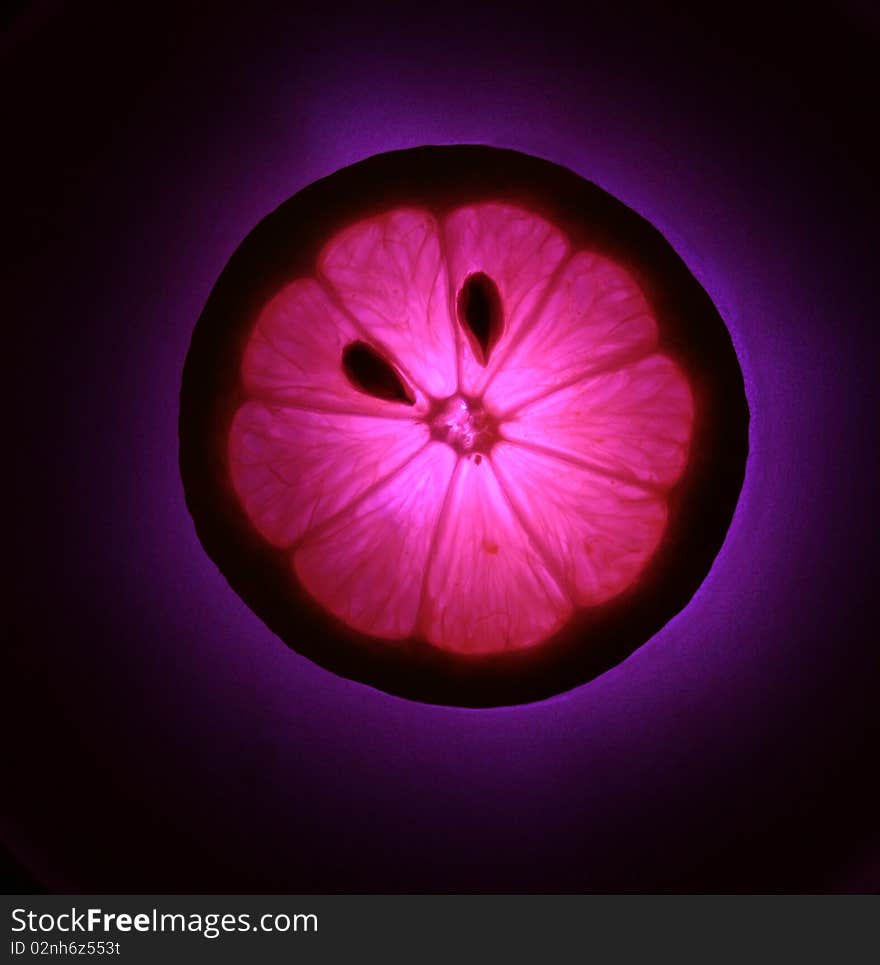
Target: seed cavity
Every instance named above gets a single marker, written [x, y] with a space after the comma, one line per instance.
[480, 314]
[370, 373]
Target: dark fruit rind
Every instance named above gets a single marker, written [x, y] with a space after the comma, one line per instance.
[286, 245]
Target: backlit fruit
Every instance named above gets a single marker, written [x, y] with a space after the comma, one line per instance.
[458, 424]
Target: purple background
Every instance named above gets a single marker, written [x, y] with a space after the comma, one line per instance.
[161, 737]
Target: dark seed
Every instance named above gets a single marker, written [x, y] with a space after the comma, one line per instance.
[480, 313]
[372, 374]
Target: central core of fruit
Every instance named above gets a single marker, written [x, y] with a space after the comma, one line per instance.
[465, 424]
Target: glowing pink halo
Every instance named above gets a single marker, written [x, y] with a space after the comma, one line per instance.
[467, 443]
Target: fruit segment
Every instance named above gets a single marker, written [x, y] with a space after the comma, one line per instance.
[389, 274]
[293, 469]
[596, 533]
[633, 423]
[519, 252]
[367, 565]
[595, 317]
[294, 353]
[488, 587]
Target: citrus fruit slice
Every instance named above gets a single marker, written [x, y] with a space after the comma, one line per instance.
[458, 424]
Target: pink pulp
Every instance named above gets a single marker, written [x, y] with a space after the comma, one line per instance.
[523, 477]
